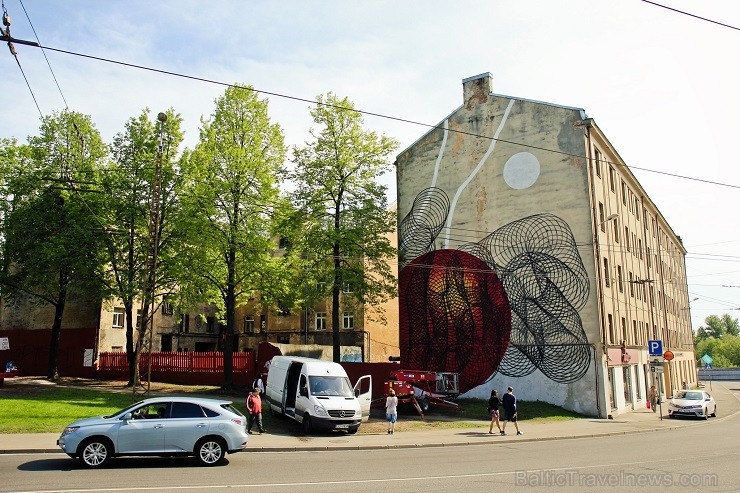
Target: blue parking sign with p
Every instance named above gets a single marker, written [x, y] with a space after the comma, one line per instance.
[655, 348]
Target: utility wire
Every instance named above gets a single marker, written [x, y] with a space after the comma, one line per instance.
[369, 113]
[691, 15]
[6, 35]
[44, 53]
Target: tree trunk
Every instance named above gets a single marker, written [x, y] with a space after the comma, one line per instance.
[130, 353]
[336, 343]
[230, 305]
[56, 332]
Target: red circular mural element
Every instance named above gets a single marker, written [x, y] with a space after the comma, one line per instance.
[454, 316]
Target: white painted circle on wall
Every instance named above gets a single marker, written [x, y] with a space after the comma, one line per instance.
[521, 170]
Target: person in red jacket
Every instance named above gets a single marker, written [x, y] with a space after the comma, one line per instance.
[254, 408]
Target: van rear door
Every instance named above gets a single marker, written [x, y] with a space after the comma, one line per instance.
[364, 393]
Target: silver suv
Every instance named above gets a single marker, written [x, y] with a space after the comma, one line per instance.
[205, 428]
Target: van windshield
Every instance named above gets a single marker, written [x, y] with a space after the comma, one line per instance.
[333, 386]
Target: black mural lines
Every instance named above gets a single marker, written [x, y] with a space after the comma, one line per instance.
[544, 279]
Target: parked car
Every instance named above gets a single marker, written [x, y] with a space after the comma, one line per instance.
[692, 403]
[205, 428]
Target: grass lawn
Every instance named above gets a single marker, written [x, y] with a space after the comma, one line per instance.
[28, 409]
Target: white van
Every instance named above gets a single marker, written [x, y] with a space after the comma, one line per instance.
[317, 394]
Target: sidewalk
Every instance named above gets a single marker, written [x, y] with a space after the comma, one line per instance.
[642, 421]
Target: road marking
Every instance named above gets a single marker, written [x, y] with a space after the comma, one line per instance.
[371, 481]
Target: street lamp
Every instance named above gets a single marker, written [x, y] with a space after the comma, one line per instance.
[610, 217]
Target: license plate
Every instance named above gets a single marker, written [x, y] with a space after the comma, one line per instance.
[341, 427]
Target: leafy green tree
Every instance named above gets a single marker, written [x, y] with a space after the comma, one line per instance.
[52, 233]
[724, 351]
[127, 184]
[717, 327]
[231, 190]
[345, 218]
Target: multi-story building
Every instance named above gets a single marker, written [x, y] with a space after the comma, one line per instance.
[531, 256]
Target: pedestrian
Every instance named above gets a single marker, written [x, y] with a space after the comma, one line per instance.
[653, 398]
[510, 411]
[493, 403]
[259, 384]
[391, 410]
[254, 408]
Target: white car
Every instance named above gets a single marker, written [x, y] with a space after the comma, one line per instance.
[695, 403]
[205, 428]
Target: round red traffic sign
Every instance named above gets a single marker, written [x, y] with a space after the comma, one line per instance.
[668, 355]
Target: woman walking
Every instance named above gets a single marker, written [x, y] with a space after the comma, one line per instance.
[493, 403]
[391, 411]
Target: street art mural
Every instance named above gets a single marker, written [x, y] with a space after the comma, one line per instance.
[508, 303]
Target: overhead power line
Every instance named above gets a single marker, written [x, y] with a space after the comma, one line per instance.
[691, 15]
[363, 112]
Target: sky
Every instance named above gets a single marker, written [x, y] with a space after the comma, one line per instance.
[662, 85]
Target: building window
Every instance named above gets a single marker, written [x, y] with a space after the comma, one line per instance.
[118, 316]
[210, 325]
[624, 329]
[185, 324]
[249, 324]
[167, 308]
[320, 320]
[283, 243]
[627, 377]
[346, 287]
[597, 162]
[606, 272]
[624, 194]
[627, 238]
[619, 279]
[348, 320]
[602, 221]
[612, 334]
[632, 285]
[138, 319]
[636, 339]
[116, 349]
[612, 178]
[321, 287]
[616, 231]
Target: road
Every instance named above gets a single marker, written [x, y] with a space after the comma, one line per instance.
[706, 455]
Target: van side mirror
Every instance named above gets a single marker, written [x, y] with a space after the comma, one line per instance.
[304, 392]
[357, 392]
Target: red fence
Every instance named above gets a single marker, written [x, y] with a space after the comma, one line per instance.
[29, 351]
[191, 368]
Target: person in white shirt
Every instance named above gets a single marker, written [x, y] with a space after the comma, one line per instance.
[391, 410]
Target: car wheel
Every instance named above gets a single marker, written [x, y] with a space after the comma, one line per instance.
[210, 451]
[424, 405]
[352, 431]
[307, 427]
[95, 452]
[714, 413]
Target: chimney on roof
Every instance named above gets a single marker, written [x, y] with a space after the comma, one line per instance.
[477, 88]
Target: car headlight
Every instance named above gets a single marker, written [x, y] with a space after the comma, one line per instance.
[70, 429]
[320, 411]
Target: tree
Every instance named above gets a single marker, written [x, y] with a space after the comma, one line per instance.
[127, 184]
[231, 190]
[53, 233]
[345, 217]
[717, 327]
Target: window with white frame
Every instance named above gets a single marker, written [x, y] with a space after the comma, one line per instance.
[320, 320]
[167, 308]
[348, 320]
[346, 287]
[118, 317]
[248, 324]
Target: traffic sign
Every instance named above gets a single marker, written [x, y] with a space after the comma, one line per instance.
[656, 368]
[668, 355]
[655, 348]
[707, 359]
